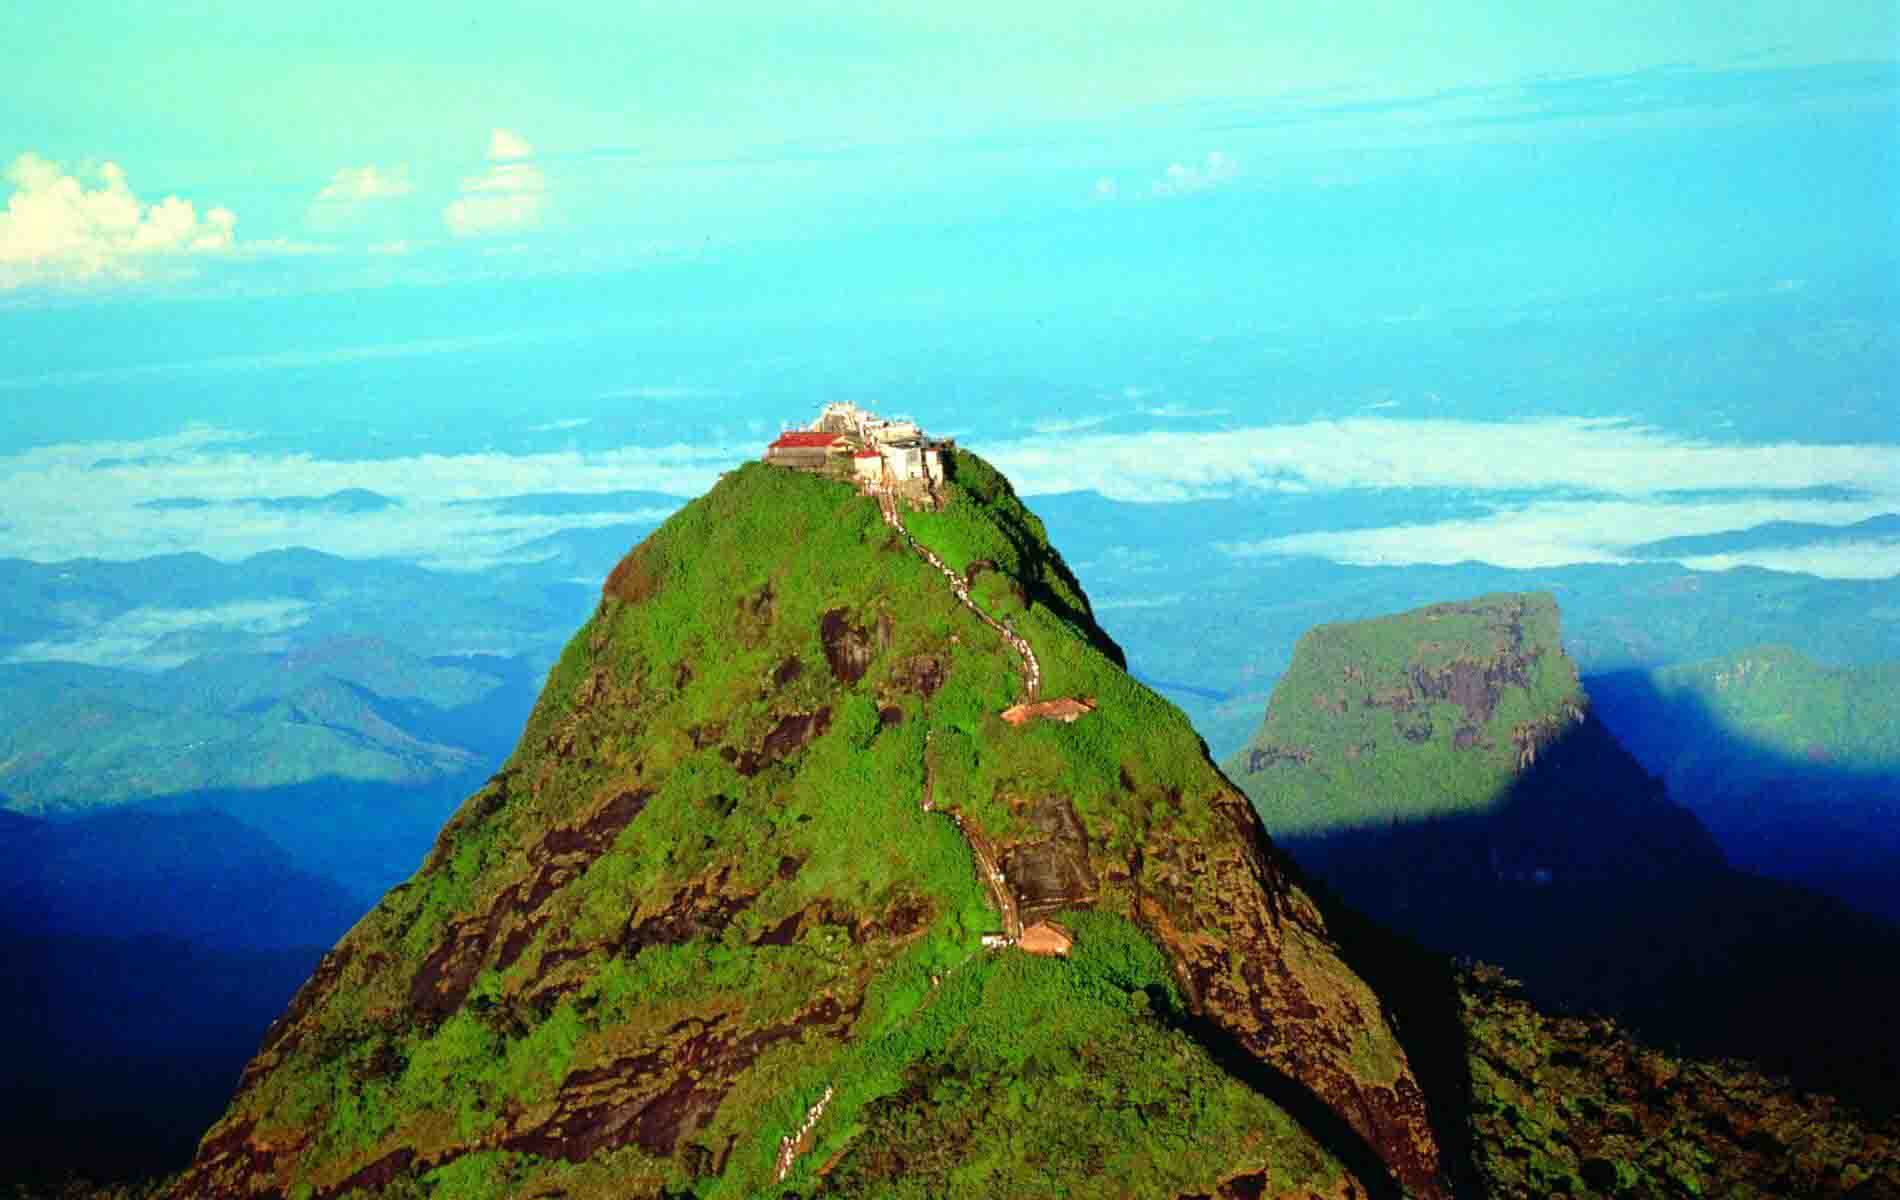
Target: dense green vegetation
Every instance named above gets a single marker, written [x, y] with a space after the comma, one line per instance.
[1421, 714]
[1035, 1077]
[1788, 705]
[1565, 1106]
[772, 683]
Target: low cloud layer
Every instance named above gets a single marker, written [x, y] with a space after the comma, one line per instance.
[145, 638]
[449, 510]
[61, 229]
[1561, 532]
[1600, 489]
[1536, 493]
[1586, 455]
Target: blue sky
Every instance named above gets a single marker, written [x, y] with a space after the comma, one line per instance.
[1572, 277]
[622, 134]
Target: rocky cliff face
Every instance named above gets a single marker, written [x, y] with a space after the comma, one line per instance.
[719, 926]
[1462, 728]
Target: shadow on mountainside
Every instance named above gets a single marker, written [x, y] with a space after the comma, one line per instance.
[121, 1052]
[1419, 989]
[148, 948]
[1802, 818]
[1294, 1098]
[1583, 880]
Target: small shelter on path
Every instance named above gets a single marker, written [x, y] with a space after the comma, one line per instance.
[1047, 937]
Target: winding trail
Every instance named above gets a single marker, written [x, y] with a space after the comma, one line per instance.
[793, 1145]
[985, 856]
[980, 849]
[1032, 670]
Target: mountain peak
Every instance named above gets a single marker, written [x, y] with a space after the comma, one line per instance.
[743, 908]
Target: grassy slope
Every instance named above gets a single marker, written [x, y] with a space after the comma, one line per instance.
[1335, 751]
[656, 947]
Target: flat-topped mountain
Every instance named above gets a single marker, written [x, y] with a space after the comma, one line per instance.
[771, 898]
[1454, 718]
[1444, 772]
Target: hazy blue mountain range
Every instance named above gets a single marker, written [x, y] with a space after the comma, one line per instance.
[1773, 535]
[191, 654]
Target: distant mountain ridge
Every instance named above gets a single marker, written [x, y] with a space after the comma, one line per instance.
[1793, 765]
[76, 737]
[1775, 535]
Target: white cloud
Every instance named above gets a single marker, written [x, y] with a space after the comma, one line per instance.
[352, 189]
[1874, 559]
[1557, 533]
[1181, 179]
[56, 229]
[1600, 455]
[561, 425]
[1630, 475]
[510, 194]
[505, 145]
[353, 185]
[1626, 485]
[1105, 187]
[431, 523]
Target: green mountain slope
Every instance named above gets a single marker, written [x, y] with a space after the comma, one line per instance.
[1789, 705]
[717, 928]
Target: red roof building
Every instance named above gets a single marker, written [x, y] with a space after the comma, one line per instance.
[800, 439]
